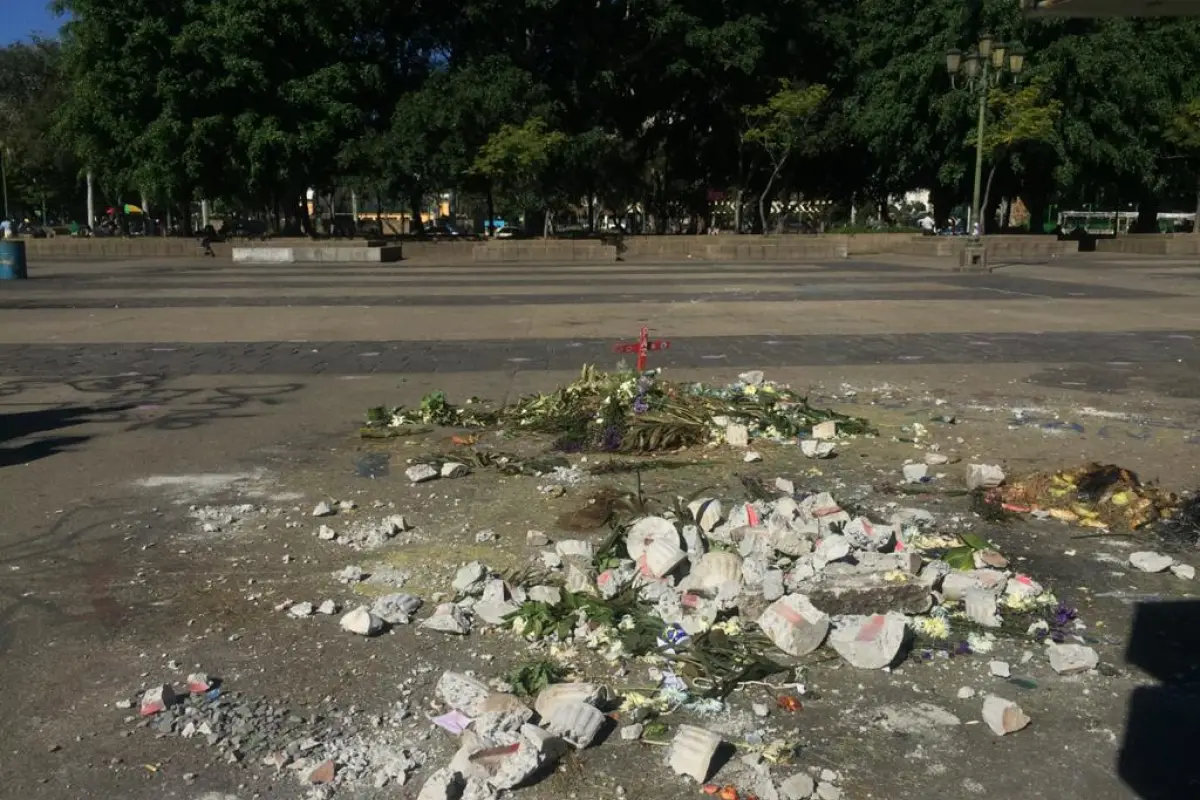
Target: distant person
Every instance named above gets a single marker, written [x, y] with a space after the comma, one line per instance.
[206, 240]
[5, 229]
[928, 225]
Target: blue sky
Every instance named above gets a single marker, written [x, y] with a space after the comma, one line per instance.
[21, 18]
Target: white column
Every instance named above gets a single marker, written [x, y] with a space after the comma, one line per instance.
[203, 214]
[354, 209]
[91, 201]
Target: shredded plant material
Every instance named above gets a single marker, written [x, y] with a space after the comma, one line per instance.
[628, 412]
[1101, 496]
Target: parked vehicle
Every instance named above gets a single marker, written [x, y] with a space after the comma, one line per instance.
[509, 232]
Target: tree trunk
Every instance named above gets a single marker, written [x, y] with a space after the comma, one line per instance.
[765, 196]
[1036, 203]
[1147, 221]
[1196, 219]
[491, 211]
[414, 208]
[738, 202]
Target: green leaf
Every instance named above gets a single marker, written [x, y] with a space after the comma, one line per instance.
[975, 542]
[960, 558]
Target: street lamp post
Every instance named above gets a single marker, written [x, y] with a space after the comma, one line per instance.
[982, 68]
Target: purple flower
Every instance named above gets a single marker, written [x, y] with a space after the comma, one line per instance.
[640, 404]
[612, 438]
[963, 649]
[644, 383]
[1064, 614]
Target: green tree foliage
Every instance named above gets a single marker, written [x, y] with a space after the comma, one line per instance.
[781, 127]
[40, 174]
[648, 110]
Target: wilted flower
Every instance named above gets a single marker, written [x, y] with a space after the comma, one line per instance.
[612, 438]
[640, 404]
[932, 627]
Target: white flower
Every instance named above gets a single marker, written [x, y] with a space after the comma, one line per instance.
[981, 642]
[519, 625]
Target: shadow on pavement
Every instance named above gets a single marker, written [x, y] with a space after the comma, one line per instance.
[20, 424]
[1159, 757]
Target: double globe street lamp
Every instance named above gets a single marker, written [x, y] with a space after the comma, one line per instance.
[982, 69]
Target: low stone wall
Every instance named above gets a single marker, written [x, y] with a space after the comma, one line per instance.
[545, 250]
[1151, 244]
[740, 252]
[997, 246]
[326, 254]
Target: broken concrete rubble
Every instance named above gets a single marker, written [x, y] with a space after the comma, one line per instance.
[576, 722]
[825, 430]
[984, 476]
[362, 622]
[557, 694]
[448, 618]
[469, 578]
[737, 435]
[454, 469]
[396, 609]
[1003, 716]
[421, 473]
[692, 752]
[871, 642]
[156, 699]
[794, 625]
[1150, 561]
[798, 787]
[463, 693]
[980, 606]
[812, 448]
[1069, 659]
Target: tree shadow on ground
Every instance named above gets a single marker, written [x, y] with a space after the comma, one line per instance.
[21, 424]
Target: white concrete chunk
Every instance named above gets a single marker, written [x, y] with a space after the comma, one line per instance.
[825, 430]
[1069, 659]
[692, 752]
[794, 625]
[984, 476]
[812, 448]
[362, 622]
[454, 469]
[737, 435]
[1003, 716]
[420, 473]
[1150, 561]
[869, 642]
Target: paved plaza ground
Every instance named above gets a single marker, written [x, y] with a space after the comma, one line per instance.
[134, 389]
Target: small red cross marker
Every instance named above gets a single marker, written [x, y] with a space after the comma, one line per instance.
[642, 347]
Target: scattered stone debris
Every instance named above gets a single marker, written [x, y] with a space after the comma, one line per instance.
[984, 476]
[454, 469]
[225, 519]
[1185, 571]
[1069, 659]
[692, 752]
[1149, 561]
[421, 473]
[328, 608]
[323, 509]
[1003, 716]
[157, 699]
[396, 609]
[813, 448]
[362, 622]
[869, 642]
[448, 618]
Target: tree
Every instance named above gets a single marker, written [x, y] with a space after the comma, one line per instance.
[1022, 116]
[781, 127]
[515, 159]
[39, 174]
[1184, 132]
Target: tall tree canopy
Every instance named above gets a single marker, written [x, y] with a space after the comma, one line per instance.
[659, 107]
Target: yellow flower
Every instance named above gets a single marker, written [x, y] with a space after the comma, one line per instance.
[750, 391]
[933, 627]
[730, 627]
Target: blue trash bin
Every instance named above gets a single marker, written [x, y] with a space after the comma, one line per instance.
[12, 261]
